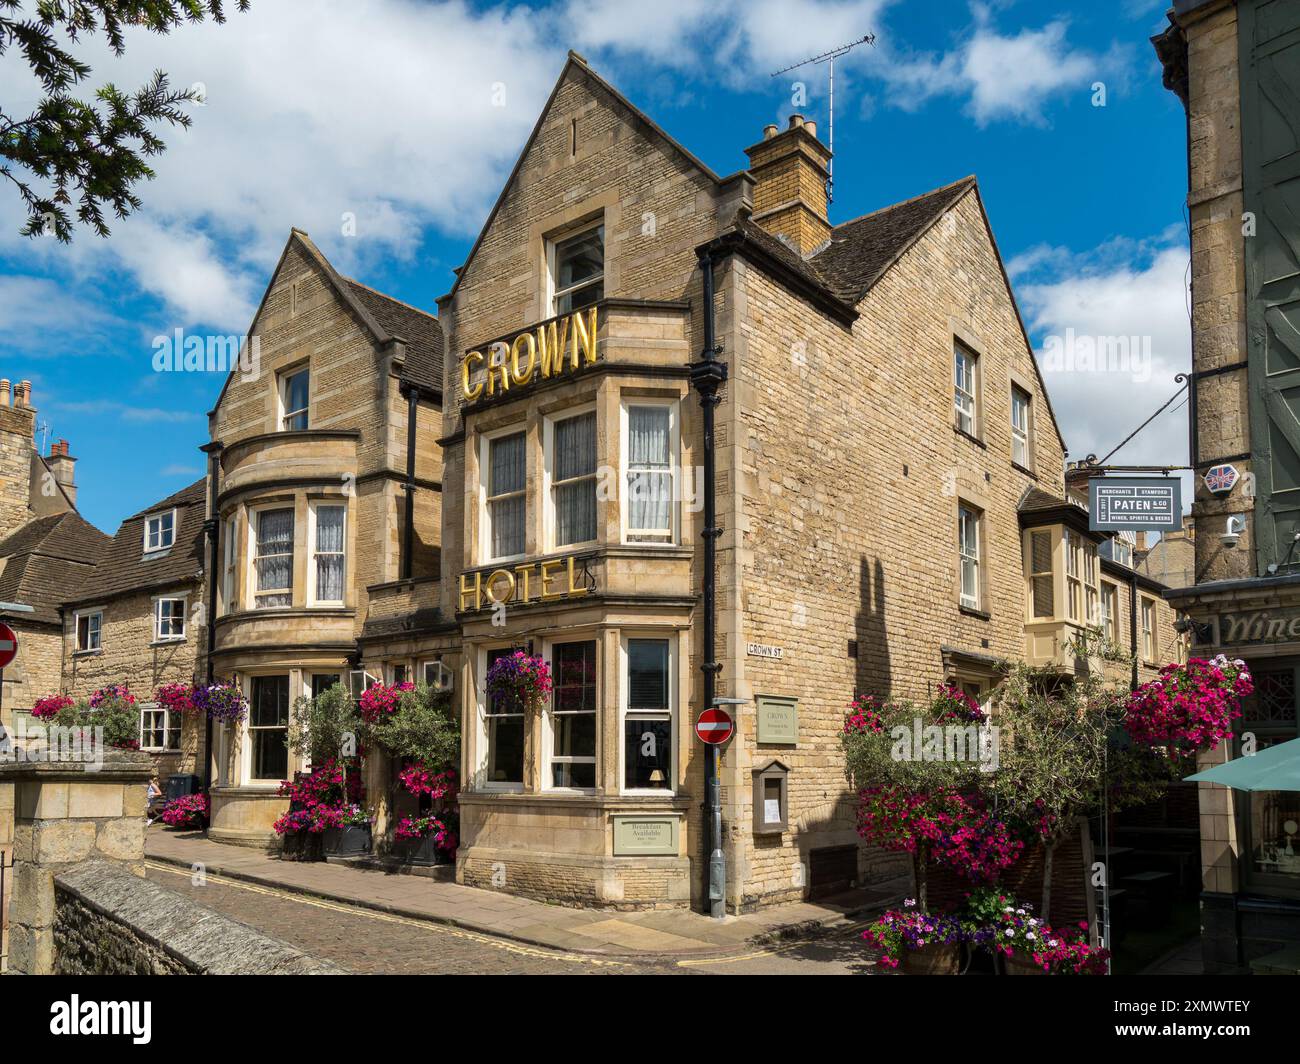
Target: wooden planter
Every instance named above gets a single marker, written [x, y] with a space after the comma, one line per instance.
[1020, 964]
[939, 958]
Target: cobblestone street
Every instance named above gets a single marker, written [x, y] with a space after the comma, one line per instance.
[368, 942]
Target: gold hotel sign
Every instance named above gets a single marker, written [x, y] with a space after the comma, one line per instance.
[521, 584]
[531, 354]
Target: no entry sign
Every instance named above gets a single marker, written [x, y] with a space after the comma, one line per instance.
[8, 645]
[714, 727]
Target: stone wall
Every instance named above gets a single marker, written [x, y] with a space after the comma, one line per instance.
[36, 671]
[108, 921]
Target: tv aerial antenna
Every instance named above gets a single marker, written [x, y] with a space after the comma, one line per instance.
[829, 59]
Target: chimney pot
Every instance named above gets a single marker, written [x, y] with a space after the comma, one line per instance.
[796, 120]
[23, 394]
[769, 131]
[4, 391]
[811, 127]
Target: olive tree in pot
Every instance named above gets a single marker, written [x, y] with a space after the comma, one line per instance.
[327, 731]
[423, 733]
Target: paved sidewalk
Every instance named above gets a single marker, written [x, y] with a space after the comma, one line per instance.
[660, 933]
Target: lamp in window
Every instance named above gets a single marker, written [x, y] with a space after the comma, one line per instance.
[657, 777]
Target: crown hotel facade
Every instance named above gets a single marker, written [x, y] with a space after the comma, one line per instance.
[879, 506]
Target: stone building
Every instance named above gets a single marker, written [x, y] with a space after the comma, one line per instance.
[1171, 559]
[139, 620]
[1235, 64]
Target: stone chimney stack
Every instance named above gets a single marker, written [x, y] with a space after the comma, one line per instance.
[63, 466]
[23, 395]
[17, 453]
[790, 169]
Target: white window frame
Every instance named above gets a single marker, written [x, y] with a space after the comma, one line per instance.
[549, 757]
[99, 630]
[158, 600]
[160, 545]
[1022, 434]
[1091, 591]
[624, 711]
[246, 730]
[152, 709]
[549, 484]
[1148, 621]
[1110, 610]
[967, 390]
[481, 754]
[485, 511]
[230, 565]
[673, 535]
[254, 515]
[283, 413]
[338, 504]
[1072, 545]
[554, 295]
[969, 516]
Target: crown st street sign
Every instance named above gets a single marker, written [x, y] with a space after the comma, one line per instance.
[1138, 504]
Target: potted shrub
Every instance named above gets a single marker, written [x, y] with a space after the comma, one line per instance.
[917, 942]
[189, 812]
[350, 836]
[430, 839]
[317, 804]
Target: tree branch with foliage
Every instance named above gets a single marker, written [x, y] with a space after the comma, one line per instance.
[73, 159]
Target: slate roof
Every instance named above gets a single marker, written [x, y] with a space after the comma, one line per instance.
[48, 560]
[421, 331]
[124, 567]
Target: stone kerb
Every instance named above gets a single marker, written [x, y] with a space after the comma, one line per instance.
[65, 813]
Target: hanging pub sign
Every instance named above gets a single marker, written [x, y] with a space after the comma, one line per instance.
[1138, 504]
[534, 354]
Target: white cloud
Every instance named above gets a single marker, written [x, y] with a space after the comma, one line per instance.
[125, 411]
[1011, 77]
[45, 320]
[179, 471]
[1125, 289]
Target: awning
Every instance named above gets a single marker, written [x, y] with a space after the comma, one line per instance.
[1276, 768]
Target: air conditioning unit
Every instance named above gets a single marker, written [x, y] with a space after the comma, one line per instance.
[438, 677]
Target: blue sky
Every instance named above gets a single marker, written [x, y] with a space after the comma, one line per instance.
[408, 115]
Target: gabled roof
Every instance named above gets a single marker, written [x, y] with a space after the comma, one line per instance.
[47, 560]
[576, 62]
[385, 318]
[124, 568]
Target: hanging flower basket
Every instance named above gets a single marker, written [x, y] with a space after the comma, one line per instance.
[1189, 706]
[50, 706]
[519, 677]
[177, 697]
[222, 701]
[382, 700]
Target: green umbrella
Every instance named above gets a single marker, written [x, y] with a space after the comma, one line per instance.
[1276, 768]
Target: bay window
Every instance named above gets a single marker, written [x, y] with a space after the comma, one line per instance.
[230, 563]
[573, 715]
[327, 554]
[572, 465]
[1042, 587]
[649, 447]
[273, 563]
[1091, 606]
[648, 716]
[504, 487]
[1073, 578]
[503, 718]
[268, 725]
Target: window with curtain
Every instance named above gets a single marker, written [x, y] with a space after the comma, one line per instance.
[649, 474]
[1020, 427]
[573, 479]
[1041, 587]
[268, 724]
[968, 543]
[328, 553]
[295, 388]
[274, 560]
[963, 371]
[573, 715]
[647, 719]
[89, 630]
[506, 504]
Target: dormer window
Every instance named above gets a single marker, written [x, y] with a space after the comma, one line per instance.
[577, 270]
[295, 387]
[159, 531]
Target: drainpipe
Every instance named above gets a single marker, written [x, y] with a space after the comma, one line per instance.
[408, 527]
[1133, 626]
[212, 527]
[707, 375]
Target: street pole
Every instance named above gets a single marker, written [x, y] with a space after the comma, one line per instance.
[707, 375]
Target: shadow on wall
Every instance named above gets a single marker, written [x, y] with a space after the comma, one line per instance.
[873, 673]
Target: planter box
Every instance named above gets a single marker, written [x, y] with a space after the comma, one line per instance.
[422, 852]
[351, 840]
[1020, 964]
[302, 846]
[941, 958]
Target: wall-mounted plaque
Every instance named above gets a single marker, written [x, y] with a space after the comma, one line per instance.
[778, 719]
[764, 650]
[645, 836]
